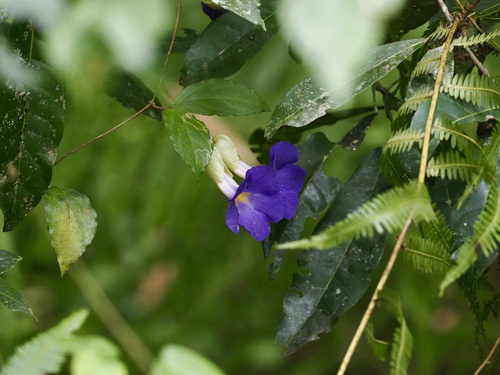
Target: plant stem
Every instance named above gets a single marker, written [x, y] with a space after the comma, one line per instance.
[487, 359]
[150, 104]
[371, 306]
[103, 134]
[110, 316]
[432, 108]
[169, 51]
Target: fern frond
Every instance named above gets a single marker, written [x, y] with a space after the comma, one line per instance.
[426, 255]
[441, 32]
[402, 345]
[429, 63]
[486, 238]
[444, 129]
[453, 165]
[403, 141]
[465, 41]
[480, 90]
[415, 101]
[488, 168]
[388, 211]
[45, 353]
[391, 168]
[438, 232]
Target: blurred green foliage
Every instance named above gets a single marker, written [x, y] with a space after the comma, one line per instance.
[166, 259]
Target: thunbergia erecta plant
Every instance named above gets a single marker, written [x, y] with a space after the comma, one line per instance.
[267, 194]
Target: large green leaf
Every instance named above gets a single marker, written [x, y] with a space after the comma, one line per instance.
[13, 300]
[31, 126]
[219, 97]
[336, 278]
[319, 191]
[190, 138]
[307, 101]
[414, 14]
[8, 260]
[132, 93]
[45, 353]
[95, 355]
[247, 9]
[225, 45]
[331, 38]
[71, 222]
[179, 360]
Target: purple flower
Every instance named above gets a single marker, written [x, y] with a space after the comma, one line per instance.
[268, 193]
[212, 10]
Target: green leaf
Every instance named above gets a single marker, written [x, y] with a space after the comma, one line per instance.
[94, 355]
[132, 93]
[337, 278]
[219, 97]
[485, 239]
[247, 9]
[190, 138]
[379, 347]
[8, 260]
[13, 300]
[31, 122]
[179, 360]
[45, 353]
[354, 137]
[386, 212]
[71, 222]
[306, 101]
[414, 14]
[328, 46]
[319, 191]
[226, 45]
[402, 345]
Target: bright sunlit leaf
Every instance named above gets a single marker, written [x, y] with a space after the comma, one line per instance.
[71, 222]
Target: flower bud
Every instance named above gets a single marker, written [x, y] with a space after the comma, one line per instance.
[227, 151]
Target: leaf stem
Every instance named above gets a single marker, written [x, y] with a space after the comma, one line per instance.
[168, 52]
[151, 102]
[371, 306]
[110, 316]
[103, 134]
[432, 108]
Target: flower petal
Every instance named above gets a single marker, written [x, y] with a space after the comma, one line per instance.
[254, 221]
[283, 153]
[292, 199]
[232, 218]
[291, 177]
[273, 206]
[260, 179]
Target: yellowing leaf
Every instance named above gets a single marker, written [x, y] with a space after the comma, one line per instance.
[71, 222]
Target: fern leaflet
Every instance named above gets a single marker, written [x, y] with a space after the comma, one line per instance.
[426, 255]
[480, 90]
[385, 212]
[45, 353]
[391, 168]
[438, 232]
[402, 346]
[415, 101]
[487, 170]
[486, 238]
[453, 165]
[465, 41]
[440, 32]
[403, 141]
[429, 63]
[444, 129]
